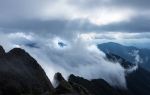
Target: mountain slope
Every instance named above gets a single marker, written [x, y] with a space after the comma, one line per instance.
[138, 82]
[129, 53]
[71, 88]
[20, 74]
[98, 86]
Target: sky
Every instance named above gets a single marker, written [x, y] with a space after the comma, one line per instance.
[123, 21]
[39, 25]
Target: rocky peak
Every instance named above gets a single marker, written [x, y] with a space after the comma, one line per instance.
[58, 77]
[17, 52]
[2, 51]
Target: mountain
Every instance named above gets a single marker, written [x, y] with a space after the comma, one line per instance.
[129, 53]
[115, 58]
[20, 74]
[138, 82]
[98, 86]
[68, 87]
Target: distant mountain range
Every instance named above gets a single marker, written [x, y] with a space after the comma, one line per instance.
[20, 74]
[129, 53]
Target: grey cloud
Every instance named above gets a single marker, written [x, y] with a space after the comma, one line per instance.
[134, 4]
[15, 10]
[60, 27]
[23, 16]
[65, 28]
[56, 27]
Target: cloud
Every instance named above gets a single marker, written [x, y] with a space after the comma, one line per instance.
[16, 10]
[116, 35]
[133, 32]
[138, 59]
[97, 16]
[135, 4]
[139, 40]
[78, 57]
[136, 24]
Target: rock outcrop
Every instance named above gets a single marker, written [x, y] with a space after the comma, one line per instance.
[68, 88]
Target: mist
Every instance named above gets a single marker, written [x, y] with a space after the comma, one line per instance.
[69, 56]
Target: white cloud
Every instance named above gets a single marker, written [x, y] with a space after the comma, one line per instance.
[80, 58]
[138, 59]
[141, 40]
[21, 35]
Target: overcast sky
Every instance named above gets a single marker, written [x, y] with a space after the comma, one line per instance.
[116, 20]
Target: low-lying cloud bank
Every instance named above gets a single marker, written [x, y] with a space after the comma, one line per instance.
[72, 56]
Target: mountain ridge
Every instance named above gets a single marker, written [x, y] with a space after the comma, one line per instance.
[20, 74]
[129, 53]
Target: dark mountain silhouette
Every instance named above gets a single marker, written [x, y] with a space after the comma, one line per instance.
[127, 52]
[115, 58]
[20, 74]
[98, 86]
[71, 88]
[138, 82]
